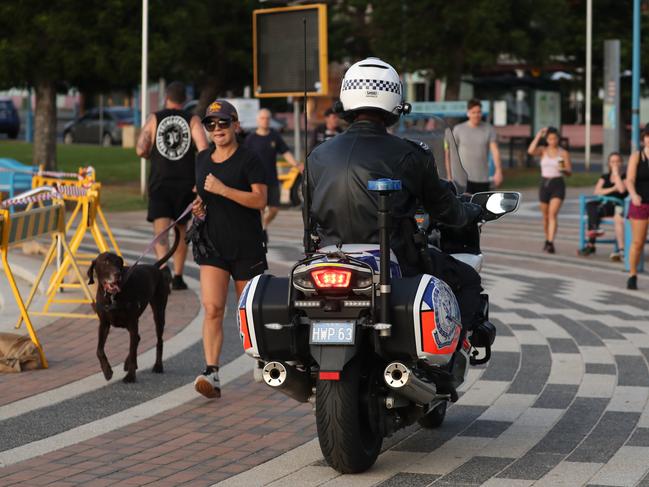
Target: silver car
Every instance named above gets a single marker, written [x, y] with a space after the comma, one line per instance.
[93, 129]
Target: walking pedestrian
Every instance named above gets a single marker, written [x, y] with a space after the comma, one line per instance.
[637, 182]
[555, 164]
[325, 131]
[228, 241]
[610, 184]
[170, 139]
[475, 139]
[267, 144]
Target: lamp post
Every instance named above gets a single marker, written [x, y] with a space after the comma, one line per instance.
[635, 79]
[589, 62]
[144, 98]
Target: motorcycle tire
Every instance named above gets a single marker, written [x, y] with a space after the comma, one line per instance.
[435, 418]
[349, 441]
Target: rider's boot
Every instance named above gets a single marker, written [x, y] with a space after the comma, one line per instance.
[483, 335]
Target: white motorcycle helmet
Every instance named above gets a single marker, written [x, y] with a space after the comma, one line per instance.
[372, 84]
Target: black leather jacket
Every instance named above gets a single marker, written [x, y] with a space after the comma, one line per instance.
[343, 210]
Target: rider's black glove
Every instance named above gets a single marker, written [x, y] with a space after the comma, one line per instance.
[473, 212]
[201, 244]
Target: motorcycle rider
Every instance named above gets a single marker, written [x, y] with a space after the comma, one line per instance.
[344, 211]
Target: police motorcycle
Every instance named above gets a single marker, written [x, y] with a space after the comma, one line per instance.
[373, 351]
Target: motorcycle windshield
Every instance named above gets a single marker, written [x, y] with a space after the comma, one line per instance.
[438, 136]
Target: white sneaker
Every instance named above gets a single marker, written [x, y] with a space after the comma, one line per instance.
[258, 371]
[208, 384]
[617, 256]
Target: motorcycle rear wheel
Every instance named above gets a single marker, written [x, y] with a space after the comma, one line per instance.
[347, 427]
[435, 418]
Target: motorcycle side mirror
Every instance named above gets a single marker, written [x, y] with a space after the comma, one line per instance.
[497, 203]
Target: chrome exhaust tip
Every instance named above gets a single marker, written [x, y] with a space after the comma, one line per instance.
[396, 375]
[402, 381]
[288, 379]
[274, 374]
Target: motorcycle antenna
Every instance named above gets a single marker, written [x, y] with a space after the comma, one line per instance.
[306, 210]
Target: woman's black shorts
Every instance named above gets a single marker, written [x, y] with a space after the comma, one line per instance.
[239, 269]
[169, 203]
[552, 188]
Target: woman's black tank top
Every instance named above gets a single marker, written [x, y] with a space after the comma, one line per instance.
[642, 178]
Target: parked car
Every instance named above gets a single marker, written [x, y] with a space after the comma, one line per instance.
[90, 129]
[9, 121]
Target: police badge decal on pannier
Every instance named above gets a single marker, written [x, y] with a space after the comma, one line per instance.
[426, 319]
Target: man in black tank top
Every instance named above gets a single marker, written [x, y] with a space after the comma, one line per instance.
[166, 139]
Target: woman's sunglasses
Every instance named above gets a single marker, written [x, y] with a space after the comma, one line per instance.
[212, 124]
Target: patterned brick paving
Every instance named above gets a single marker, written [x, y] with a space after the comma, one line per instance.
[196, 444]
[569, 368]
[70, 346]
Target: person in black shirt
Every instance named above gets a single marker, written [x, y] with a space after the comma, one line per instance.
[268, 144]
[637, 182]
[610, 184]
[231, 186]
[166, 139]
[327, 130]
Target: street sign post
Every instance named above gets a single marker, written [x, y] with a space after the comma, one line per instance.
[611, 106]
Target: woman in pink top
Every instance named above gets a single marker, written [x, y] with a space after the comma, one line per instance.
[555, 164]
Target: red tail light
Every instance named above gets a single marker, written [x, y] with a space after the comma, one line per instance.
[328, 278]
[329, 376]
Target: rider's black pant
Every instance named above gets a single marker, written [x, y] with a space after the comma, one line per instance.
[463, 280]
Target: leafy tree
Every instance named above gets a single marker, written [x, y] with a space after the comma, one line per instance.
[447, 38]
[350, 30]
[51, 46]
[455, 38]
[205, 43]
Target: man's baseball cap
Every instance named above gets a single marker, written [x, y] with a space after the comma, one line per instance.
[221, 109]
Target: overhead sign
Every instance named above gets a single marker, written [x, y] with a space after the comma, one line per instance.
[445, 108]
[247, 109]
[279, 51]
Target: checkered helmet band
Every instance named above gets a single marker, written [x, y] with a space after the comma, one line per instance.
[372, 84]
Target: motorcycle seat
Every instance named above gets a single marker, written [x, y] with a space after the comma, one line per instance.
[368, 253]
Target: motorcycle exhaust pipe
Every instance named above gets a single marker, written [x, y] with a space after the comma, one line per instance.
[401, 380]
[289, 380]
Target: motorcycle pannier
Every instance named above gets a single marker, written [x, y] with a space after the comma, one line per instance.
[425, 320]
[263, 301]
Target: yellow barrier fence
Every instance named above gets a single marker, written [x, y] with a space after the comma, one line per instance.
[19, 227]
[87, 217]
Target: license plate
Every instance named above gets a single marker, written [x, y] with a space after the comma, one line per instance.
[332, 333]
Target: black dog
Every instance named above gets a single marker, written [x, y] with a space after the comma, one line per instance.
[123, 294]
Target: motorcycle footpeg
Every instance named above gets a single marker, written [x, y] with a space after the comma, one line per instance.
[483, 335]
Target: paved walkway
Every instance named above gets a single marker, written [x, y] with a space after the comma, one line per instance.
[564, 400]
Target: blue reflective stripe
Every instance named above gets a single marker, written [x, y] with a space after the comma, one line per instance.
[384, 185]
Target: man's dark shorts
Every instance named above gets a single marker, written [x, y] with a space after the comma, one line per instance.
[274, 192]
[169, 203]
[240, 269]
[472, 187]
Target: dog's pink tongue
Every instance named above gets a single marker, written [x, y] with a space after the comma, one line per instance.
[111, 287]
